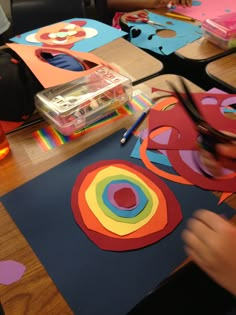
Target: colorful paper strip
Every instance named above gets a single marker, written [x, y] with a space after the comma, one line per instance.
[49, 138]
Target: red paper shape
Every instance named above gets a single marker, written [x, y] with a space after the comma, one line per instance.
[217, 184]
[185, 130]
[113, 242]
[179, 121]
[125, 198]
[213, 114]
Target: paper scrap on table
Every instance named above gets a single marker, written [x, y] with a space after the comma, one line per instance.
[10, 271]
[153, 155]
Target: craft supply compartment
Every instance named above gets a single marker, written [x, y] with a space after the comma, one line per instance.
[221, 30]
[77, 104]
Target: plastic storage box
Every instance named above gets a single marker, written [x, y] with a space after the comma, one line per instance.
[77, 104]
[221, 30]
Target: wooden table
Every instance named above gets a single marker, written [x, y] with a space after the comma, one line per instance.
[223, 70]
[131, 60]
[35, 293]
[201, 50]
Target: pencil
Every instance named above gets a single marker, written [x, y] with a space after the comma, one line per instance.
[178, 16]
[129, 132]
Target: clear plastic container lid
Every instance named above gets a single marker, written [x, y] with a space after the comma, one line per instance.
[83, 101]
[223, 26]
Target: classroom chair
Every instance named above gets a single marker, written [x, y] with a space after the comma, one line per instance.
[31, 14]
[104, 14]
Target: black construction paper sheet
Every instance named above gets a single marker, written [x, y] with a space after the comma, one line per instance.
[93, 281]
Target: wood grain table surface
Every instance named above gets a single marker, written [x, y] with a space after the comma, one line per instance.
[200, 50]
[224, 70]
[131, 60]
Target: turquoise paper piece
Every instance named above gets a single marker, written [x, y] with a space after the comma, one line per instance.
[152, 155]
[105, 35]
[149, 39]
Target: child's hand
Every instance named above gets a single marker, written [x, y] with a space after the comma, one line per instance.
[210, 241]
[184, 3]
[160, 4]
[226, 158]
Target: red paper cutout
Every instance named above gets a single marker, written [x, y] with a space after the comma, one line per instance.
[183, 127]
[155, 169]
[214, 116]
[125, 198]
[177, 119]
[109, 241]
[218, 184]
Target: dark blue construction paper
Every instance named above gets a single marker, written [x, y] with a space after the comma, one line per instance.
[93, 281]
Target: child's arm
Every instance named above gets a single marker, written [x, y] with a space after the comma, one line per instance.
[127, 5]
[226, 158]
[210, 240]
[184, 3]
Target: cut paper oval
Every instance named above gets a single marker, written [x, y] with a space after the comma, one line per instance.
[141, 212]
[153, 225]
[118, 185]
[121, 212]
[10, 271]
[125, 197]
[165, 209]
[93, 200]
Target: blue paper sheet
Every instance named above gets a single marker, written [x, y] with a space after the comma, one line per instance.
[105, 34]
[149, 39]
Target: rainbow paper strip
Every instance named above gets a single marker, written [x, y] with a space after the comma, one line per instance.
[49, 138]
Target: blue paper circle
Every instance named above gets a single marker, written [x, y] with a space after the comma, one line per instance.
[196, 3]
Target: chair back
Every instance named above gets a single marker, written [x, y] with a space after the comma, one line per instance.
[104, 14]
[31, 14]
